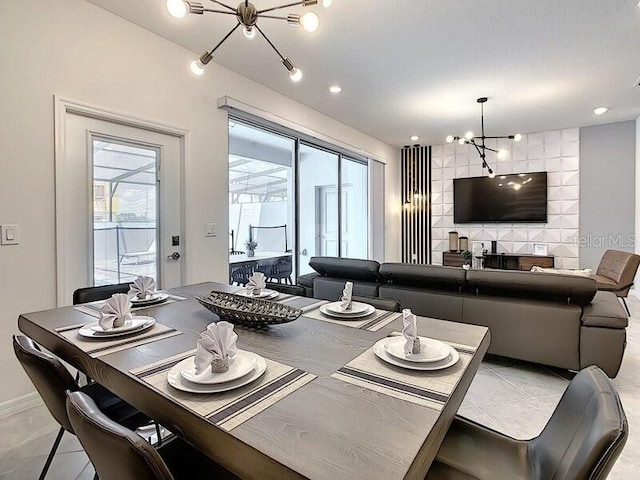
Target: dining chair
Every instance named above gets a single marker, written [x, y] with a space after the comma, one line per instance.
[287, 289]
[379, 303]
[52, 379]
[102, 292]
[281, 269]
[240, 273]
[117, 452]
[582, 440]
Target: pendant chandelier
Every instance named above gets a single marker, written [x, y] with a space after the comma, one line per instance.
[247, 17]
[479, 141]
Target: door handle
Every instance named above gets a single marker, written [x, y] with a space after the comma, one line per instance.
[174, 256]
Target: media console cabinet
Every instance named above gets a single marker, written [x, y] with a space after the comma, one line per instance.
[502, 261]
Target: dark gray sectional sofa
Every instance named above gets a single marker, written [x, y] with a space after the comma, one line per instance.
[556, 320]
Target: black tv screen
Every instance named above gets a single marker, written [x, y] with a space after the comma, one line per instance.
[505, 198]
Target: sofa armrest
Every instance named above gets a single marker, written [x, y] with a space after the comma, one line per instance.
[604, 310]
[307, 280]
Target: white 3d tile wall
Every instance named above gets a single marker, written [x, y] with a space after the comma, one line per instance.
[556, 152]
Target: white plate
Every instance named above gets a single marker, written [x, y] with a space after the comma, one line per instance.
[239, 366]
[356, 308]
[152, 300]
[430, 350]
[347, 316]
[88, 332]
[176, 381]
[382, 354]
[265, 294]
[134, 324]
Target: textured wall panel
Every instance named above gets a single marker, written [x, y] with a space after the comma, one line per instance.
[556, 152]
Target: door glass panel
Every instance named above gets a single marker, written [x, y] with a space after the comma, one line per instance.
[319, 205]
[261, 203]
[125, 199]
[354, 209]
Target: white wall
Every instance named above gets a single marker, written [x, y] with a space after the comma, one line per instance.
[636, 290]
[79, 51]
[556, 152]
[608, 184]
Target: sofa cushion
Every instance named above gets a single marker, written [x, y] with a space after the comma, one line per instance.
[423, 276]
[539, 286]
[347, 268]
[604, 310]
[327, 288]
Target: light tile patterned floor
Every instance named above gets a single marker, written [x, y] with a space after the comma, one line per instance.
[509, 396]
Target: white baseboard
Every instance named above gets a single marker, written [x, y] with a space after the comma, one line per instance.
[19, 404]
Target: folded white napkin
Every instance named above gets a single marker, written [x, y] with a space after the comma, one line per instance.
[217, 344]
[346, 296]
[115, 311]
[410, 332]
[258, 282]
[143, 286]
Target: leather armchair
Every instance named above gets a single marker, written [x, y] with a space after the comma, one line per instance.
[582, 440]
[616, 272]
[119, 453]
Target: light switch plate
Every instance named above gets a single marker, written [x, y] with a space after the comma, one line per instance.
[210, 230]
[9, 235]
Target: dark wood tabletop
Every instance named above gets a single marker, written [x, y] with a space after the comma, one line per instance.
[327, 429]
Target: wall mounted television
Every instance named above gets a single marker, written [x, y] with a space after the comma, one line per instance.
[516, 198]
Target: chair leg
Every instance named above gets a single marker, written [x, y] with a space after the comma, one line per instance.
[626, 306]
[52, 454]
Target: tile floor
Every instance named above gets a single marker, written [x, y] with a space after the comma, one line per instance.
[509, 396]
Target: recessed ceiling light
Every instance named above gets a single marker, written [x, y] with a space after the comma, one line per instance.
[601, 110]
[415, 138]
[335, 89]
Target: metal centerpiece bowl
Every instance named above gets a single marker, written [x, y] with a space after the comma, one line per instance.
[248, 312]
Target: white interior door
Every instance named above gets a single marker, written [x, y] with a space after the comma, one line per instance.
[327, 224]
[120, 212]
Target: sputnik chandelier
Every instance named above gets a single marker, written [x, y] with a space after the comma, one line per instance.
[247, 16]
[480, 144]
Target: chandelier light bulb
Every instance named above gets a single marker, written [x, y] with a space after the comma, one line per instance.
[327, 3]
[468, 135]
[310, 22]
[502, 154]
[517, 186]
[461, 141]
[450, 138]
[177, 8]
[492, 174]
[249, 33]
[295, 75]
[197, 68]
[517, 137]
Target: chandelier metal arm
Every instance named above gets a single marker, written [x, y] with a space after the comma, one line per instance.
[228, 7]
[295, 4]
[212, 51]
[270, 43]
[275, 17]
[213, 10]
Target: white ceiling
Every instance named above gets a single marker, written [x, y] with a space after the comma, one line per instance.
[417, 66]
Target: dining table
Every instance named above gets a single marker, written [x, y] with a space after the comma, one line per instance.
[326, 408]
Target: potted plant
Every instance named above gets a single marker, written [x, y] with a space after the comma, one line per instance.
[467, 256]
[251, 247]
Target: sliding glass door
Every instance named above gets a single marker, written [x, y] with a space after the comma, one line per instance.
[318, 205]
[293, 196]
[333, 203]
